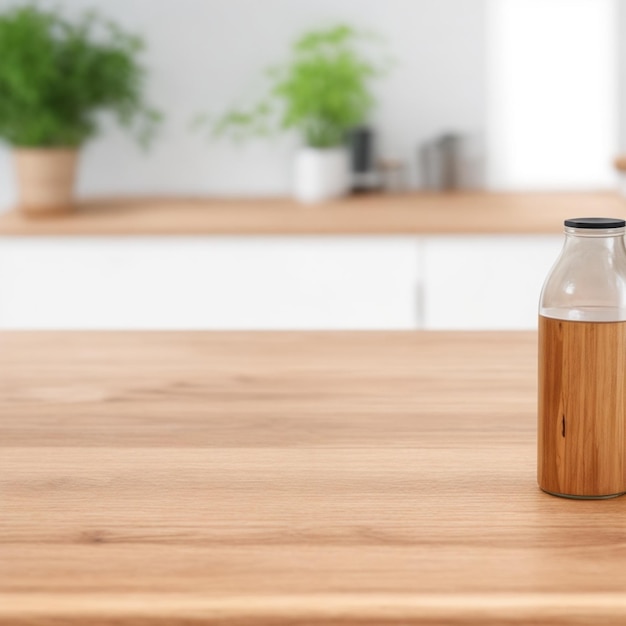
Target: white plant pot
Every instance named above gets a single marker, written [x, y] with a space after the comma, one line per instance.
[622, 183]
[321, 174]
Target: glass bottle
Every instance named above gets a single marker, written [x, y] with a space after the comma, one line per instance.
[582, 364]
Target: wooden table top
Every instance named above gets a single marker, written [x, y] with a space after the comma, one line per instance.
[415, 213]
[288, 478]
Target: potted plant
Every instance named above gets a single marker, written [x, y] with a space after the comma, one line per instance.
[323, 91]
[56, 77]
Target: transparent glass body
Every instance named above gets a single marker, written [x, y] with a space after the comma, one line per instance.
[588, 281]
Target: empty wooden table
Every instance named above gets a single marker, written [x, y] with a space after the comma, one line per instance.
[288, 478]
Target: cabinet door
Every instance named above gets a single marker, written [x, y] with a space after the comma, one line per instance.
[209, 283]
[485, 282]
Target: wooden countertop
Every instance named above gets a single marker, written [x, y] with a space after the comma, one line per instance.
[417, 213]
[288, 478]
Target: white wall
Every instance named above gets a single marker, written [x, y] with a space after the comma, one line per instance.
[209, 54]
[620, 29]
[552, 93]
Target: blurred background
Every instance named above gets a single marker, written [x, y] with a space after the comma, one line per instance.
[468, 97]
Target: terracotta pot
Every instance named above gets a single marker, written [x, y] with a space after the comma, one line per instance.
[46, 179]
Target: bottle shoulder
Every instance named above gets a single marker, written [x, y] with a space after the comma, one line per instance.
[586, 286]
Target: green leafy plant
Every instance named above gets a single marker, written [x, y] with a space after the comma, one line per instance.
[323, 91]
[57, 76]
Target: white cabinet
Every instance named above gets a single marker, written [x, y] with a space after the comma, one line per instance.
[485, 282]
[224, 283]
[209, 282]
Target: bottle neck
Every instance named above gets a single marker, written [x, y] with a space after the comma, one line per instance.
[595, 233]
[608, 241]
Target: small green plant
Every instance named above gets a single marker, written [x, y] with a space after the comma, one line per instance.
[323, 91]
[57, 76]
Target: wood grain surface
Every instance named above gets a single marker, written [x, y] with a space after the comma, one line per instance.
[582, 407]
[288, 478]
[414, 213]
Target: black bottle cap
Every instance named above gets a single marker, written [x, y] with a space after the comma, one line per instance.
[595, 222]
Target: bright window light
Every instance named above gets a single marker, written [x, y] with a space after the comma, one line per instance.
[552, 80]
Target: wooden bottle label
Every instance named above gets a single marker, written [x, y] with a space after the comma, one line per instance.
[582, 408]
